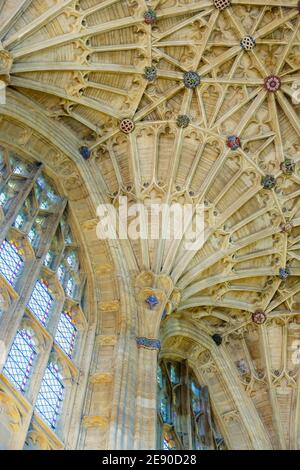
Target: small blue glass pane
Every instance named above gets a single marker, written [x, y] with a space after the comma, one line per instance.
[50, 397]
[11, 262]
[70, 287]
[49, 259]
[20, 359]
[66, 334]
[41, 302]
[61, 272]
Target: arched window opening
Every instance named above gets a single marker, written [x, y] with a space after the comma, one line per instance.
[14, 174]
[32, 211]
[66, 333]
[51, 395]
[11, 261]
[41, 301]
[19, 363]
[185, 418]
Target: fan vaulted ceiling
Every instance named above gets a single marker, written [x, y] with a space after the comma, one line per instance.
[83, 63]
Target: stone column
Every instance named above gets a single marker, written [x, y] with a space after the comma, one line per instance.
[152, 293]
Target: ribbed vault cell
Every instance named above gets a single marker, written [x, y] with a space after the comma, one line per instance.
[84, 62]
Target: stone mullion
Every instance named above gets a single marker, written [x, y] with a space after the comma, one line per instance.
[9, 329]
[59, 257]
[16, 206]
[80, 288]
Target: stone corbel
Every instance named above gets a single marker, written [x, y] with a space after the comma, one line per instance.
[10, 413]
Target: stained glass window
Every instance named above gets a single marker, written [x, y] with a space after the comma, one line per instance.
[169, 442]
[185, 415]
[9, 193]
[70, 287]
[3, 166]
[41, 301]
[19, 221]
[4, 197]
[66, 333]
[195, 397]
[20, 359]
[61, 272]
[11, 261]
[51, 394]
[49, 259]
[19, 167]
[37, 230]
[33, 205]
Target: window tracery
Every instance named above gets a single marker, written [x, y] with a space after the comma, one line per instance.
[39, 257]
[66, 333]
[19, 363]
[11, 261]
[185, 418]
[41, 301]
[51, 394]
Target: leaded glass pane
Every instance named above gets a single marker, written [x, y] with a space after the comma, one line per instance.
[41, 301]
[11, 262]
[19, 221]
[4, 198]
[70, 287]
[49, 259]
[45, 195]
[19, 167]
[37, 230]
[61, 272]
[72, 260]
[169, 442]
[2, 164]
[66, 334]
[50, 397]
[195, 397]
[20, 359]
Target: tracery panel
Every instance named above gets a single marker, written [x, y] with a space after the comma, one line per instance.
[185, 418]
[40, 265]
[20, 360]
[11, 261]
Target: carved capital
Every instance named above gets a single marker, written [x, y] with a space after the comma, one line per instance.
[148, 343]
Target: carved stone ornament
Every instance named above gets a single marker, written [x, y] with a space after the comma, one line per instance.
[248, 43]
[259, 317]
[148, 343]
[127, 125]
[222, 4]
